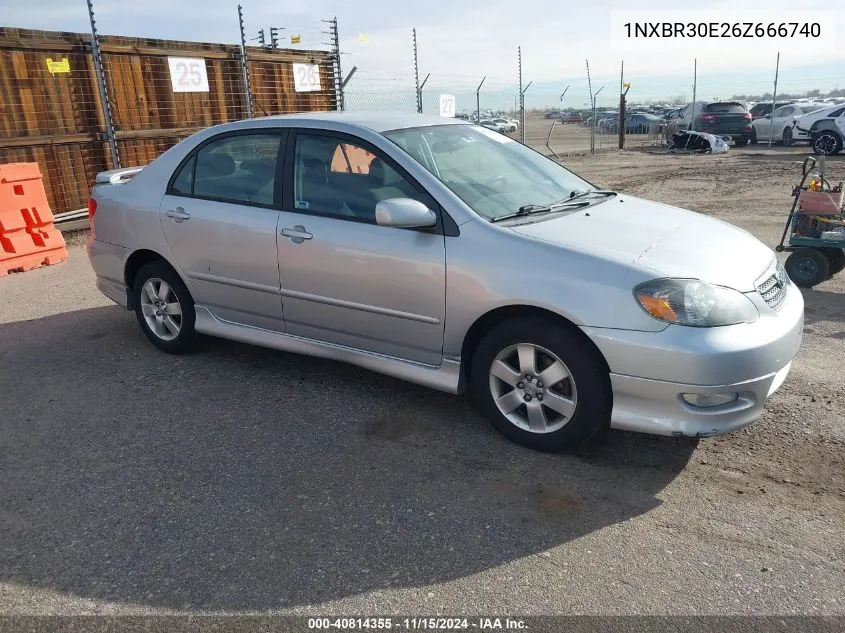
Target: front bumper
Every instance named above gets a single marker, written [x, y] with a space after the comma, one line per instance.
[651, 370]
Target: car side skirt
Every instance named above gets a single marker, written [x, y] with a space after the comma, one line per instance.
[444, 377]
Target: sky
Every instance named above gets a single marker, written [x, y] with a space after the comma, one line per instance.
[461, 41]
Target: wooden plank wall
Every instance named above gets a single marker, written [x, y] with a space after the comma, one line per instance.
[57, 120]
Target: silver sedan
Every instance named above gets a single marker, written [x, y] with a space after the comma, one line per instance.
[449, 255]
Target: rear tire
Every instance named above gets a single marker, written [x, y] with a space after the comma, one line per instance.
[507, 373]
[741, 142]
[787, 137]
[164, 308]
[753, 139]
[827, 143]
[807, 267]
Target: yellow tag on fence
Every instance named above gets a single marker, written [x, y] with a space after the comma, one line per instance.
[58, 67]
[295, 39]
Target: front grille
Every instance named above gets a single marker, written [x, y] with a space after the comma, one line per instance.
[773, 287]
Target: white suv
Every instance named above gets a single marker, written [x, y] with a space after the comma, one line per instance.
[825, 129]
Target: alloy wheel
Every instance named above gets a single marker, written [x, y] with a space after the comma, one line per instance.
[161, 309]
[533, 388]
[825, 144]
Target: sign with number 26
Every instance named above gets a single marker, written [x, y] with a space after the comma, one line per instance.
[306, 77]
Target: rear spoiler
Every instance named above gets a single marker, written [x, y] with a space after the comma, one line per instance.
[116, 176]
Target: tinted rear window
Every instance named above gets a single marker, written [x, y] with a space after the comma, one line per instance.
[725, 108]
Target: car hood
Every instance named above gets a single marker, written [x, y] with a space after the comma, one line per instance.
[670, 241]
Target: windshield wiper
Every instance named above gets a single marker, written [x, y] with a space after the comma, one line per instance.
[531, 209]
[591, 192]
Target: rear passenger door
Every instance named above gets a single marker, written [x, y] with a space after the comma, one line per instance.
[345, 279]
[219, 216]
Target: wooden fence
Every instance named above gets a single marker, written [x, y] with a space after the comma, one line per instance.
[57, 118]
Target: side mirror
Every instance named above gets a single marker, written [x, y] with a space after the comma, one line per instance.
[404, 213]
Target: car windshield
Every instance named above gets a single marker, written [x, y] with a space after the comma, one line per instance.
[493, 174]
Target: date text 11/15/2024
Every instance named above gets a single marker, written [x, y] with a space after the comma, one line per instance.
[422, 623]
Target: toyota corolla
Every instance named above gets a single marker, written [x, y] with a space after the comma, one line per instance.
[448, 255]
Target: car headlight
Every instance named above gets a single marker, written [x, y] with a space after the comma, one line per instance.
[694, 303]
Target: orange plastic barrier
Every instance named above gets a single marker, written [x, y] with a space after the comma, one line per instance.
[28, 238]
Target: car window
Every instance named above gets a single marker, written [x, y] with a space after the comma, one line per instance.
[808, 109]
[237, 168]
[836, 113]
[333, 176]
[725, 108]
[785, 111]
[183, 183]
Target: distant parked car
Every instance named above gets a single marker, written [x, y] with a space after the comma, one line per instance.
[763, 108]
[554, 115]
[636, 123]
[493, 125]
[572, 117]
[722, 118]
[825, 129]
[508, 124]
[779, 123]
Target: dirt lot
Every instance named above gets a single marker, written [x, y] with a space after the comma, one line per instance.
[240, 479]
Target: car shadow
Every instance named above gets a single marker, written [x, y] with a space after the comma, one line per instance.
[249, 479]
[822, 306]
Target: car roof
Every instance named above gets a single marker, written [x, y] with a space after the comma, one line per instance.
[375, 121]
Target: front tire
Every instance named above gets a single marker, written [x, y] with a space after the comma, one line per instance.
[164, 308]
[753, 139]
[541, 385]
[807, 267]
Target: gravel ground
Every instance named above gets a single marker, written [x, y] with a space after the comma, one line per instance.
[239, 479]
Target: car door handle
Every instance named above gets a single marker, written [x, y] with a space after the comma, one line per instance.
[178, 214]
[297, 234]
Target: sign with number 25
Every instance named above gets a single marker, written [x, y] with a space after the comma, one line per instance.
[306, 77]
[188, 74]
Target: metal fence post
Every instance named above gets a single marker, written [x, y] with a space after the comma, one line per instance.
[694, 88]
[521, 96]
[478, 100]
[417, 87]
[101, 83]
[244, 65]
[419, 93]
[774, 98]
[593, 114]
[622, 126]
[339, 82]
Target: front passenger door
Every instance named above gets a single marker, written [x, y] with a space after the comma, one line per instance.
[346, 280]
